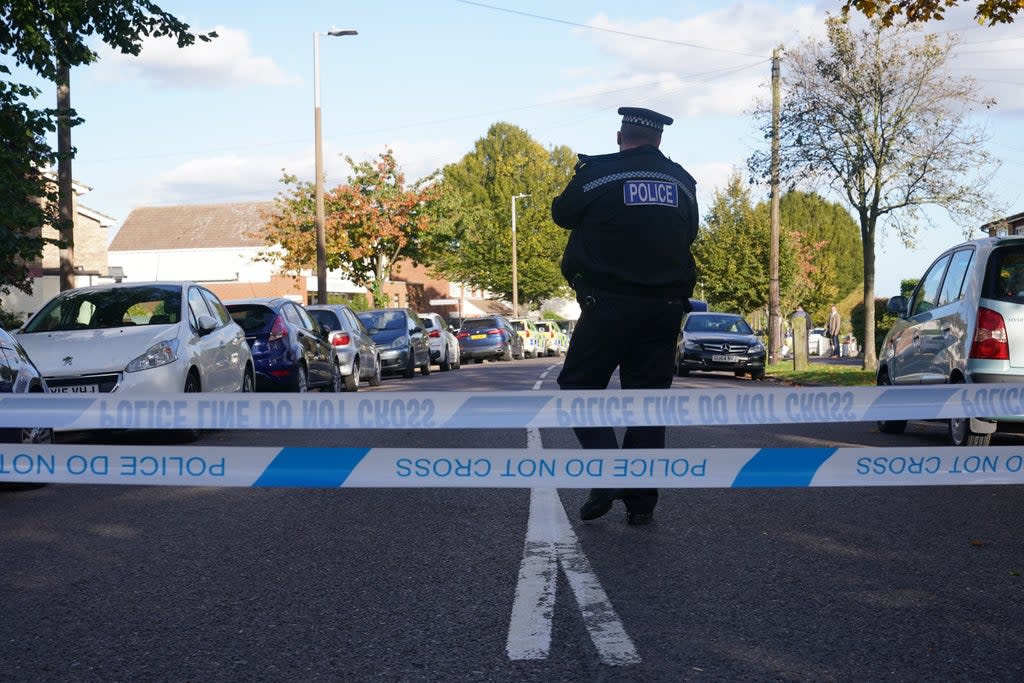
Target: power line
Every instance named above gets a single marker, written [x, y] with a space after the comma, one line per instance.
[608, 30]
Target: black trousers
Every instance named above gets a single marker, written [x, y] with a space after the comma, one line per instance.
[638, 336]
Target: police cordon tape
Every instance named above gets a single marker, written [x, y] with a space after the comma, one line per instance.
[510, 468]
[517, 409]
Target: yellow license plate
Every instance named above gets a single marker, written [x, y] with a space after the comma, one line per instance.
[478, 336]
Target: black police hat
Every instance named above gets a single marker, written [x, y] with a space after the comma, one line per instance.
[638, 116]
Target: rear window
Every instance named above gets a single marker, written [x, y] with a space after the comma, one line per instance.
[325, 318]
[518, 325]
[1004, 276]
[427, 322]
[253, 318]
[479, 324]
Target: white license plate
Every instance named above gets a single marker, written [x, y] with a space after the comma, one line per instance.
[726, 359]
[76, 389]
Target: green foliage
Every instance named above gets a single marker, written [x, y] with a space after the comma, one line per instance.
[471, 236]
[45, 36]
[884, 321]
[10, 321]
[548, 314]
[907, 286]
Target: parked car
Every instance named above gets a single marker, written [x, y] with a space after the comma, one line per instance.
[712, 342]
[489, 338]
[357, 353]
[444, 345]
[535, 342]
[818, 343]
[290, 349]
[401, 337]
[138, 337]
[19, 375]
[557, 341]
[963, 323]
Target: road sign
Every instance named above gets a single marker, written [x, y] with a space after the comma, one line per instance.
[443, 302]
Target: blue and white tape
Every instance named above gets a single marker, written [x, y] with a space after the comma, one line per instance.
[460, 410]
[510, 468]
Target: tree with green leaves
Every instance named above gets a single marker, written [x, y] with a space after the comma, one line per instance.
[49, 37]
[989, 12]
[732, 252]
[370, 223]
[471, 240]
[876, 116]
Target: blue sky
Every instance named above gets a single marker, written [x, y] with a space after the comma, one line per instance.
[218, 122]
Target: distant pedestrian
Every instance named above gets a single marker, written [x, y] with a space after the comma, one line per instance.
[832, 328]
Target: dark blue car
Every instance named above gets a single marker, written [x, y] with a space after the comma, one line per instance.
[289, 349]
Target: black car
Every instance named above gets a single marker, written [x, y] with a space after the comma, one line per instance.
[712, 342]
[489, 337]
[290, 350]
[401, 338]
[19, 375]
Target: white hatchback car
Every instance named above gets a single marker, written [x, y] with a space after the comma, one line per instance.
[138, 337]
[444, 345]
[963, 323]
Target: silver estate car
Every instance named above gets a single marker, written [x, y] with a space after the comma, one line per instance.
[964, 323]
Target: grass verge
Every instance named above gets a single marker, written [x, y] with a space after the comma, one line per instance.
[822, 373]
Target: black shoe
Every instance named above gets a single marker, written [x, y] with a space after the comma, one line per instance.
[594, 507]
[638, 518]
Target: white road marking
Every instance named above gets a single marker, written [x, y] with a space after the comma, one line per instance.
[550, 543]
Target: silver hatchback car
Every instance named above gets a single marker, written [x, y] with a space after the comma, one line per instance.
[964, 323]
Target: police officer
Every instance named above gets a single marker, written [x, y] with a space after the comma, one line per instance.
[632, 217]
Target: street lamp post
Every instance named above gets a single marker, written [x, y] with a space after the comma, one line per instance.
[321, 239]
[515, 269]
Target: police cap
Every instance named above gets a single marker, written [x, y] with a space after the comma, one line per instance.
[638, 116]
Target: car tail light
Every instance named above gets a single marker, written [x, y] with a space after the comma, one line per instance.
[990, 339]
[494, 330]
[278, 330]
[434, 334]
[462, 335]
[341, 339]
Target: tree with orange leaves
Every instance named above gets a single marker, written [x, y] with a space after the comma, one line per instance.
[370, 222]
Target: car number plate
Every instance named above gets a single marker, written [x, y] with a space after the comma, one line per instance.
[726, 359]
[76, 389]
[478, 336]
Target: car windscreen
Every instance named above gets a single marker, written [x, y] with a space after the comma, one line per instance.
[82, 309]
[716, 323]
[518, 325]
[253, 318]
[479, 324]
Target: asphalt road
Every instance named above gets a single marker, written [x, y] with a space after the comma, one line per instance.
[106, 583]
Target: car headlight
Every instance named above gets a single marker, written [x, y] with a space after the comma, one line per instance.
[399, 343]
[756, 347]
[158, 354]
[691, 345]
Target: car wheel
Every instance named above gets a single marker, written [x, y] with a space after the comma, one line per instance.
[337, 383]
[352, 381]
[889, 426]
[301, 380]
[28, 435]
[681, 371]
[457, 362]
[375, 377]
[248, 381]
[192, 386]
[757, 374]
[738, 373]
[960, 433]
[425, 368]
[445, 363]
[507, 355]
[410, 369]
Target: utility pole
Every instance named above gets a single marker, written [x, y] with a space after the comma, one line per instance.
[774, 306]
[65, 191]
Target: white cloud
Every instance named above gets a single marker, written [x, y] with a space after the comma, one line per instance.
[227, 60]
[721, 78]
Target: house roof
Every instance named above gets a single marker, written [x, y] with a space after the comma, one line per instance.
[193, 226]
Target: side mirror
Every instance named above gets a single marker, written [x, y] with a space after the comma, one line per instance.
[897, 305]
[207, 324]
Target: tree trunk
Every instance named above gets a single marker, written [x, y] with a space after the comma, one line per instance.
[65, 191]
[867, 231]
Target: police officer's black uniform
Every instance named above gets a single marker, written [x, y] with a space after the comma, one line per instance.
[633, 216]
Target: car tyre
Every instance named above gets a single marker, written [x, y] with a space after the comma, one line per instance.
[301, 380]
[410, 370]
[375, 378]
[425, 368]
[960, 433]
[337, 383]
[507, 355]
[352, 381]
[757, 375]
[248, 381]
[29, 435]
[738, 373]
[681, 371]
[889, 426]
[446, 364]
[192, 386]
